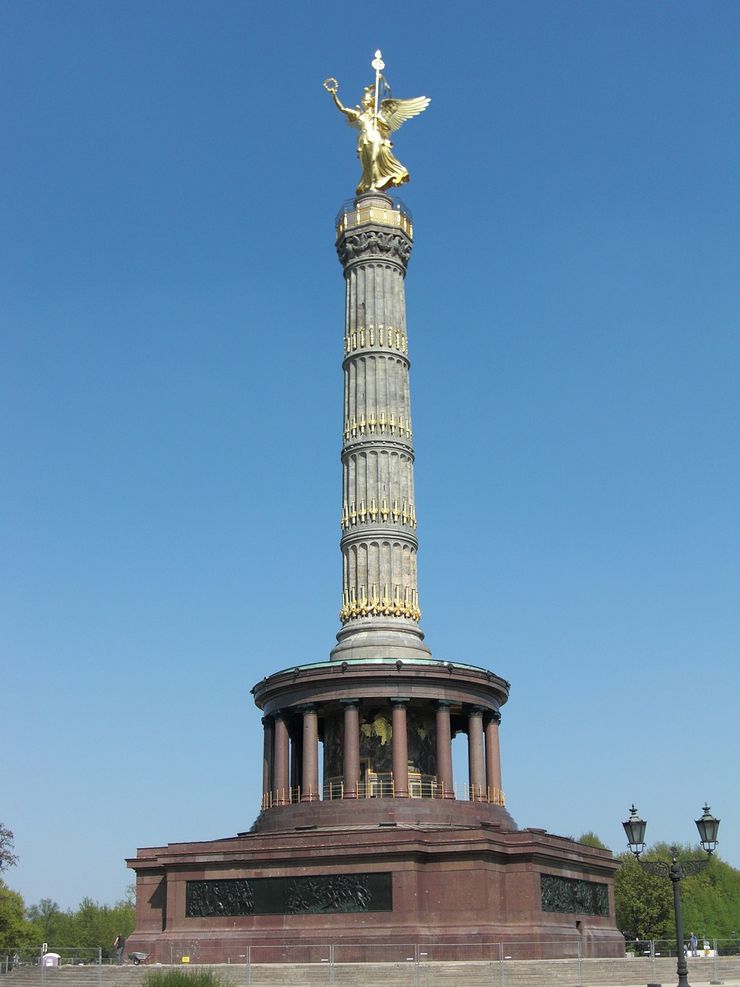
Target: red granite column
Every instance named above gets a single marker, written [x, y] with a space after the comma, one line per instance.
[444, 751]
[476, 764]
[295, 738]
[267, 750]
[400, 750]
[281, 761]
[493, 758]
[351, 753]
[310, 772]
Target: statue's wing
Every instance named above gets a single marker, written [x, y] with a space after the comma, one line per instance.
[396, 111]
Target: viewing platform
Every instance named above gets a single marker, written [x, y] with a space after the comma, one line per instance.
[356, 212]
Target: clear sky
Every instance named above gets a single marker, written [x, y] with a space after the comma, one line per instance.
[170, 348]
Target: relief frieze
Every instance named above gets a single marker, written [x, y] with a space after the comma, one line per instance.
[564, 894]
[319, 894]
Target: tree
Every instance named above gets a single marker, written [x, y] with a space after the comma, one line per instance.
[15, 932]
[591, 839]
[7, 845]
[711, 900]
[46, 918]
[94, 925]
[644, 902]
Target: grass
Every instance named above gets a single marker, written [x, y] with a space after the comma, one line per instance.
[184, 978]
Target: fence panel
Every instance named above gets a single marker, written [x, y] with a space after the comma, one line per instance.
[301, 965]
[521, 958]
[444, 964]
[356, 965]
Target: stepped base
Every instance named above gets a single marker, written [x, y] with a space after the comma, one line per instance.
[387, 812]
[370, 638]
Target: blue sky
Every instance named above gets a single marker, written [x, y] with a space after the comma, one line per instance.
[170, 350]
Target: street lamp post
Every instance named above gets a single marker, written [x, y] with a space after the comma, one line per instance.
[708, 827]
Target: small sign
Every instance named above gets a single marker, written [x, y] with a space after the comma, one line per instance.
[185, 959]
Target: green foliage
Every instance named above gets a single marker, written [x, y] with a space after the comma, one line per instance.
[15, 932]
[89, 927]
[591, 839]
[644, 902]
[184, 978]
[92, 925]
[47, 919]
[7, 857]
[711, 901]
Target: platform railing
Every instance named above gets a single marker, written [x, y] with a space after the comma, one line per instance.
[351, 215]
[382, 786]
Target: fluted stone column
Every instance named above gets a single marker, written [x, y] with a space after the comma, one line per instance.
[493, 755]
[400, 749]
[351, 751]
[310, 765]
[267, 751]
[380, 600]
[444, 749]
[281, 761]
[476, 762]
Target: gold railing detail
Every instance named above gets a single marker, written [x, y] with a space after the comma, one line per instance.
[385, 337]
[403, 603]
[380, 786]
[377, 423]
[375, 214]
[403, 512]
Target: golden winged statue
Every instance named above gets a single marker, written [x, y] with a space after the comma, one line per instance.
[375, 119]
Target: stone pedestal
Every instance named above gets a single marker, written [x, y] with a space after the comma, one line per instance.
[392, 882]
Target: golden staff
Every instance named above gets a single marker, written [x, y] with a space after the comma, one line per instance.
[378, 64]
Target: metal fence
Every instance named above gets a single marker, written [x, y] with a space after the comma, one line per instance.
[707, 960]
[49, 961]
[440, 964]
[433, 964]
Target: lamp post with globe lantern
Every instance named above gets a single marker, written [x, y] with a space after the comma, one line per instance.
[708, 827]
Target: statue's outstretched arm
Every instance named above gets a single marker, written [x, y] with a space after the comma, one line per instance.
[351, 114]
[332, 87]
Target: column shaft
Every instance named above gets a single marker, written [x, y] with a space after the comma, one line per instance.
[444, 751]
[310, 772]
[493, 757]
[351, 749]
[380, 600]
[281, 761]
[295, 736]
[476, 764]
[267, 751]
[400, 750]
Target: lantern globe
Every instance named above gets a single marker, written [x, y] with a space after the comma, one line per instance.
[635, 828]
[708, 827]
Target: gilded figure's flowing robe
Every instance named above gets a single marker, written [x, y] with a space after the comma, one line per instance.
[380, 168]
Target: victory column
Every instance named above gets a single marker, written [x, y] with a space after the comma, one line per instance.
[364, 837]
[380, 597]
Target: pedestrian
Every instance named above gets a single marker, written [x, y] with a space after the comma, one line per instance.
[119, 943]
[693, 942]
